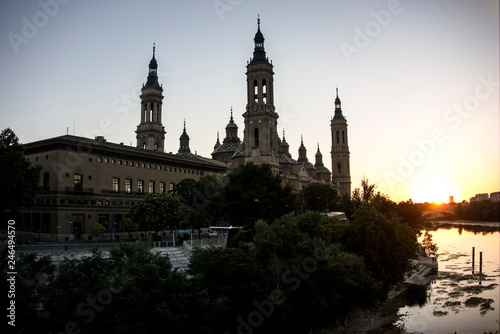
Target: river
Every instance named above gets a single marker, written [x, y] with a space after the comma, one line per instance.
[459, 298]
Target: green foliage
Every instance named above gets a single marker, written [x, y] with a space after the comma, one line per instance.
[128, 225]
[133, 291]
[20, 180]
[33, 273]
[320, 197]
[387, 245]
[232, 279]
[202, 201]
[97, 229]
[430, 248]
[410, 212]
[253, 192]
[483, 210]
[157, 212]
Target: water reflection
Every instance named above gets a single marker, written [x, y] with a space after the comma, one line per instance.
[460, 299]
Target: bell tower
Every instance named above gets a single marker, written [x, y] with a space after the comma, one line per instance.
[150, 131]
[341, 174]
[260, 134]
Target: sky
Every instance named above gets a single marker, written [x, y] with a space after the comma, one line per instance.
[418, 80]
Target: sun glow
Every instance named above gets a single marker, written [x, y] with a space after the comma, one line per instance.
[435, 188]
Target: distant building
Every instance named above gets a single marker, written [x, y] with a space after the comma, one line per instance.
[495, 197]
[479, 197]
[452, 200]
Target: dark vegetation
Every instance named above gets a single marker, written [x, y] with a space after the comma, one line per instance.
[485, 210]
[302, 270]
[19, 179]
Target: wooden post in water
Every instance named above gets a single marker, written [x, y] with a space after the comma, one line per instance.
[473, 254]
[480, 262]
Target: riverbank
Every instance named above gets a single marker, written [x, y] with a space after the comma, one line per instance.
[377, 319]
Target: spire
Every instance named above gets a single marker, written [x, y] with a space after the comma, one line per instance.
[319, 159]
[302, 151]
[184, 141]
[217, 144]
[318, 153]
[153, 69]
[184, 134]
[259, 54]
[302, 147]
[338, 109]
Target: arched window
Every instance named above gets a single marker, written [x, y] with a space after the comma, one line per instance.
[339, 167]
[338, 140]
[271, 139]
[255, 91]
[343, 137]
[264, 90]
[256, 137]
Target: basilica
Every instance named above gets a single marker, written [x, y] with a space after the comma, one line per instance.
[261, 141]
[89, 180]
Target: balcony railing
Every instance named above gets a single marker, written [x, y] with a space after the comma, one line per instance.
[79, 190]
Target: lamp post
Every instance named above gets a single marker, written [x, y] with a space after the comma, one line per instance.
[69, 230]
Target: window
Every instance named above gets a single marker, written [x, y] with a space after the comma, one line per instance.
[256, 137]
[99, 159]
[343, 137]
[162, 187]
[255, 91]
[264, 90]
[116, 185]
[140, 187]
[338, 140]
[78, 182]
[46, 181]
[151, 187]
[103, 220]
[106, 160]
[172, 186]
[128, 186]
[339, 168]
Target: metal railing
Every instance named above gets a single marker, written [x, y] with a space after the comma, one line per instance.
[68, 247]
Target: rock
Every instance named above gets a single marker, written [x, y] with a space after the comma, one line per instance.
[451, 304]
[439, 313]
[476, 301]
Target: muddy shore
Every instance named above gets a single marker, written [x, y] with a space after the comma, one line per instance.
[378, 319]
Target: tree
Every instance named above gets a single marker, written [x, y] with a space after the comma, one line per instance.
[132, 291]
[388, 245]
[97, 229]
[410, 212]
[320, 197]
[128, 225]
[430, 247]
[20, 181]
[254, 192]
[202, 201]
[157, 212]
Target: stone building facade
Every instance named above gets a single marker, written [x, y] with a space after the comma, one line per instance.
[85, 181]
[261, 141]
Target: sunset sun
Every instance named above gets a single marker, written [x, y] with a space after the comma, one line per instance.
[434, 189]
